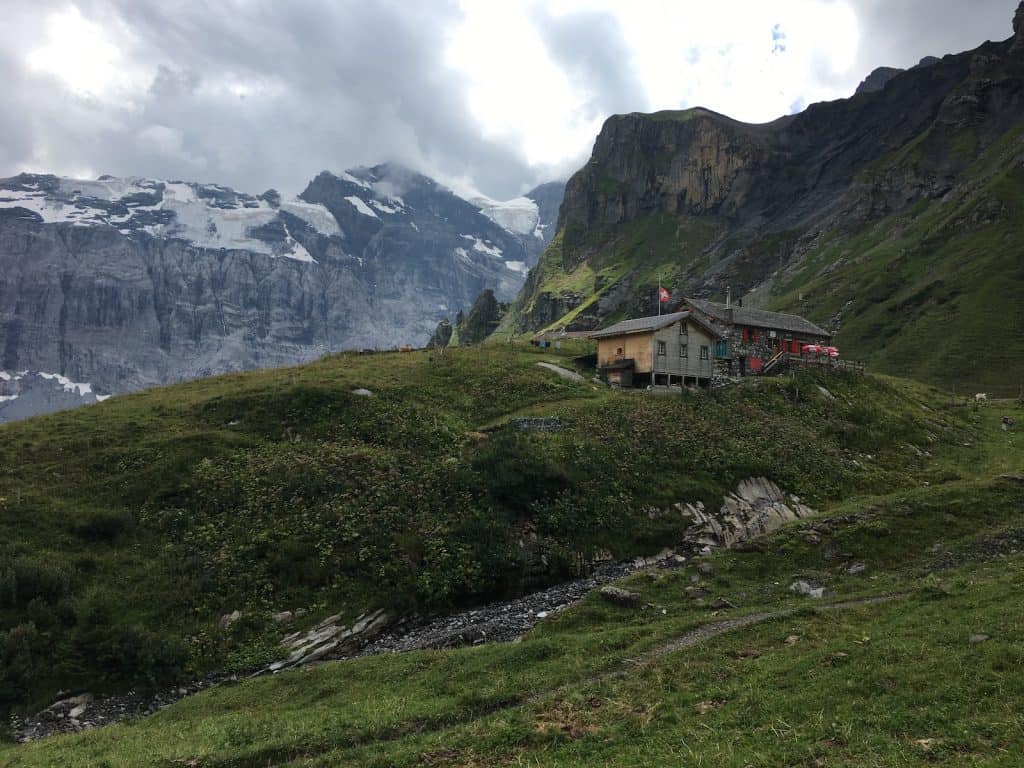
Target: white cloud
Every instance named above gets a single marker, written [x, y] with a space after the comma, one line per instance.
[79, 54]
[484, 95]
[516, 91]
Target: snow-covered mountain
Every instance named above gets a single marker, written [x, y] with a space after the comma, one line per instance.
[129, 283]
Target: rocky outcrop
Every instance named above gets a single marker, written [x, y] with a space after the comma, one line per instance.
[757, 506]
[482, 320]
[877, 79]
[442, 335]
[1018, 30]
[329, 639]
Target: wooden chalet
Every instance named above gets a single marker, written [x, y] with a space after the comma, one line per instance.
[677, 348]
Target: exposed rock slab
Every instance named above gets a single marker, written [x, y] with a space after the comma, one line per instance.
[757, 506]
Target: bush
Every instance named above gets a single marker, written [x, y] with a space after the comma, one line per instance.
[134, 653]
[126, 653]
[516, 473]
[27, 578]
[101, 526]
[20, 656]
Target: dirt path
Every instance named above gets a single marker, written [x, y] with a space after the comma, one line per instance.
[713, 629]
[565, 373]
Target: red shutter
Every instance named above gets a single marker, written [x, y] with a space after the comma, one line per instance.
[745, 334]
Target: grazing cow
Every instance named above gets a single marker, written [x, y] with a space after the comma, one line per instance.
[981, 396]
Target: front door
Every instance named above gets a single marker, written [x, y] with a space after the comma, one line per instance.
[743, 366]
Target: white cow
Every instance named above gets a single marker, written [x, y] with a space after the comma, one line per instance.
[980, 397]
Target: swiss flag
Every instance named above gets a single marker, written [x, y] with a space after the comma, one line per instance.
[663, 295]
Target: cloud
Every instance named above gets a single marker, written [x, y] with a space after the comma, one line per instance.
[902, 33]
[251, 94]
[482, 95]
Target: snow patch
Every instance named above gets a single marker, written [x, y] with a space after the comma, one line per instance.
[517, 266]
[314, 214]
[384, 208]
[68, 384]
[483, 246]
[520, 215]
[5, 376]
[346, 176]
[362, 207]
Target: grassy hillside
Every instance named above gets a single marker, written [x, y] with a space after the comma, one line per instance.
[936, 292]
[932, 674]
[129, 528]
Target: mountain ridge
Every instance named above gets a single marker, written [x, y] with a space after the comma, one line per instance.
[130, 283]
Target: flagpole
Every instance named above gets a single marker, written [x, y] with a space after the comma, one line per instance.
[659, 294]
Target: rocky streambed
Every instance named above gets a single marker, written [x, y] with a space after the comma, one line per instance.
[757, 506]
[370, 635]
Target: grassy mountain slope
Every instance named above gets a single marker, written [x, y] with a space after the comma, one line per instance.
[130, 527]
[933, 291]
[892, 217]
[933, 676]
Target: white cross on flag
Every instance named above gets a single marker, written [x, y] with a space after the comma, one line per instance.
[663, 295]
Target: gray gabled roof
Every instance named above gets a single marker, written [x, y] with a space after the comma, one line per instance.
[648, 324]
[758, 318]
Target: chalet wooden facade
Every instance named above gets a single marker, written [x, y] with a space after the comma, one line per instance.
[755, 340]
[677, 348]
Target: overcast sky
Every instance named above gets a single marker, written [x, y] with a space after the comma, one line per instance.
[495, 95]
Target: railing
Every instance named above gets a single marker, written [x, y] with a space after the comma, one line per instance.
[824, 361]
[778, 357]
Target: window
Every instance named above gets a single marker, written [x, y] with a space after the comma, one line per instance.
[682, 329]
[703, 353]
[661, 349]
[618, 352]
[721, 348]
[682, 350]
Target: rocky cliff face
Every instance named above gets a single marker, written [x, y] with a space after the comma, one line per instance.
[130, 283]
[791, 213]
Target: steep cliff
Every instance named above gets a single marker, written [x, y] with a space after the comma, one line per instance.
[129, 283]
[835, 212]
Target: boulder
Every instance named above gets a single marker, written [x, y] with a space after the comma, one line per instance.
[806, 589]
[230, 618]
[619, 596]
